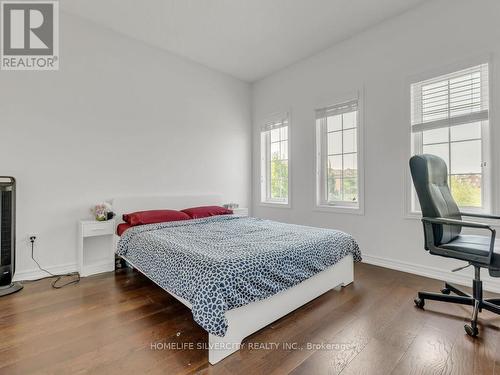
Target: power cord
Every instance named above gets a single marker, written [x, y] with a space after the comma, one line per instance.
[58, 277]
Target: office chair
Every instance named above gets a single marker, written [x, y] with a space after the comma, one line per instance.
[442, 222]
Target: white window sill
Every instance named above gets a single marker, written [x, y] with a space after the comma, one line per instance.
[275, 204]
[340, 209]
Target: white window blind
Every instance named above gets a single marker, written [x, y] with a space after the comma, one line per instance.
[275, 123]
[450, 100]
[350, 106]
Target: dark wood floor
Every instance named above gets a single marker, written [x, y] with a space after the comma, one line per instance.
[107, 324]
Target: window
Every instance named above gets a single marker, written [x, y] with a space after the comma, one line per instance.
[274, 161]
[337, 162]
[449, 118]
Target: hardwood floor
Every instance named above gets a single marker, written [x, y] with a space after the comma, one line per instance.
[108, 323]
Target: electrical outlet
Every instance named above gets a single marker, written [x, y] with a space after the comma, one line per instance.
[32, 237]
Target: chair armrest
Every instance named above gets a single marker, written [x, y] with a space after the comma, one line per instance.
[466, 224]
[482, 216]
[460, 223]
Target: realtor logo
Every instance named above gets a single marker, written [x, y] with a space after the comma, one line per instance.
[29, 35]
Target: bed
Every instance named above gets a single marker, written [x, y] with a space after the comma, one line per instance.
[236, 274]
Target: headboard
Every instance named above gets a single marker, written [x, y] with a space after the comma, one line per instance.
[127, 204]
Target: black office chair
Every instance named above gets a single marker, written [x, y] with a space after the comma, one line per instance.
[443, 223]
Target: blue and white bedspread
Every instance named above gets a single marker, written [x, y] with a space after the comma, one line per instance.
[223, 262]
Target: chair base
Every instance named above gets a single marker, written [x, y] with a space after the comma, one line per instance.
[462, 298]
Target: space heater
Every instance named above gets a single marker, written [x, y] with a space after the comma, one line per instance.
[8, 236]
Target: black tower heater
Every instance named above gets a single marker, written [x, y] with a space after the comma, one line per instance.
[8, 236]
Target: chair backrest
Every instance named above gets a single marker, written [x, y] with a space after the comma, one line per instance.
[430, 178]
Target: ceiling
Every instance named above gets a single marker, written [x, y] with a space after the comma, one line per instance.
[248, 39]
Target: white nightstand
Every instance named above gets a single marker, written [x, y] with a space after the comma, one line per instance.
[243, 212]
[95, 247]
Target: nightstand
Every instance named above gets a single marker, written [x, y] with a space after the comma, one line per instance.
[242, 212]
[95, 247]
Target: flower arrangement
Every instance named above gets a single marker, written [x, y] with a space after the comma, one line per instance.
[102, 211]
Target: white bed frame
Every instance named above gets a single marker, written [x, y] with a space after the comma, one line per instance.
[244, 320]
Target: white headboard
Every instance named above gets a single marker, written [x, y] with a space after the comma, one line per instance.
[127, 204]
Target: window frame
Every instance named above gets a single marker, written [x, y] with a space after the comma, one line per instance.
[415, 143]
[265, 154]
[321, 156]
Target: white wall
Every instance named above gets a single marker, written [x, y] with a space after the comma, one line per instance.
[380, 60]
[118, 118]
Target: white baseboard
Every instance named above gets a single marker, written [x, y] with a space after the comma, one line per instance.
[95, 269]
[37, 273]
[460, 278]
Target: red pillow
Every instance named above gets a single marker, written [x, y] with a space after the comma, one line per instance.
[154, 216]
[206, 211]
[122, 227]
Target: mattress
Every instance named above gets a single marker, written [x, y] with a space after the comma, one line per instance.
[223, 262]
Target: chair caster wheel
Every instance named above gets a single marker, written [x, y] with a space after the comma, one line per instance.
[445, 291]
[419, 303]
[472, 332]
